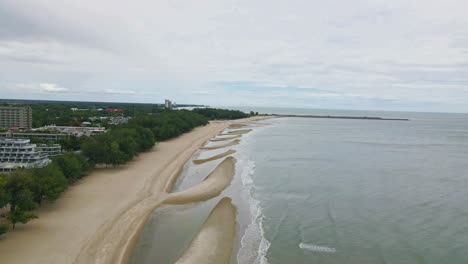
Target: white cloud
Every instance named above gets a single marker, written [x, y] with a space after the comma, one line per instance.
[112, 91]
[52, 87]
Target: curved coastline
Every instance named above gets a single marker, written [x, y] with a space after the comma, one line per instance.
[114, 242]
[99, 220]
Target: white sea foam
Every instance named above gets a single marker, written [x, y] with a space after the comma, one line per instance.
[316, 248]
[254, 245]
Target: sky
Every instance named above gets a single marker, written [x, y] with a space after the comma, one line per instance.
[407, 55]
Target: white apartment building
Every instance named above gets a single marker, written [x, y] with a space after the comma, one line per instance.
[20, 153]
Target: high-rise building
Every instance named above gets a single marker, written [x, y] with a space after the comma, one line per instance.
[16, 117]
[168, 104]
[21, 153]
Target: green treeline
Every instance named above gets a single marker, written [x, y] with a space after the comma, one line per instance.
[216, 113]
[25, 189]
[122, 143]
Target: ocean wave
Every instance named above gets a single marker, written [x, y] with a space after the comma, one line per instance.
[254, 236]
[316, 248]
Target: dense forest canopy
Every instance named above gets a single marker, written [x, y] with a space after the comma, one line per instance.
[216, 113]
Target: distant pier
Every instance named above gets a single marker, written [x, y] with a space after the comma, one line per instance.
[345, 117]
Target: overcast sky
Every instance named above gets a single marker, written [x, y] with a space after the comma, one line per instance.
[360, 54]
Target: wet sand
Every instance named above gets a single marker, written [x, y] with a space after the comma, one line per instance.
[219, 156]
[234, 126]
[215, 241]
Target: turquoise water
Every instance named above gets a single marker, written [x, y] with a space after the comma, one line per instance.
[357, 191]
[335, 191]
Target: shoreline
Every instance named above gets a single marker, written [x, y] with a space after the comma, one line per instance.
[98, 219]
[142, 211]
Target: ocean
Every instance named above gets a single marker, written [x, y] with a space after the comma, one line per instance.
[335, 191]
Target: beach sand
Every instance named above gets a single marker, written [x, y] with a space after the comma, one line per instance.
[232, 143]
[98, 218]
[211, 187]
[215, 241]
[219, 156]
[234, 126]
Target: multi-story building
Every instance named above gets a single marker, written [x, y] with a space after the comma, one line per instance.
[51, 150]
[118, 120]
[168, 104]
[20, 153]
[35, 135]
[16, 117]
[73, 131]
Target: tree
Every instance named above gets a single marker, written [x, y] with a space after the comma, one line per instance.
[20, 197]
[3, 229]
[48, 183]
[72, 165]
[95, 149]
[146, 138]
[214, 113]
[3, 192]
[116, 156]
[70, 143]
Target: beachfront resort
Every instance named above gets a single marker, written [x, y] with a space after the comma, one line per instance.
[21, 153]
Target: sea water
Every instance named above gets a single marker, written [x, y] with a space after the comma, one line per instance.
[336, 191]
[362, 191]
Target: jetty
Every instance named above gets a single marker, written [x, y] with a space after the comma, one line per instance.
[344, 117]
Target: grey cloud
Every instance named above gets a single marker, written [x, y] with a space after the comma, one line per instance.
[391, 54]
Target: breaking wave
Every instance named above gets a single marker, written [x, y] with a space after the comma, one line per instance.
[316, 248]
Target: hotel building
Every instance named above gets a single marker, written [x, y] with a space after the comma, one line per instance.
[16, 117]
[21, 153]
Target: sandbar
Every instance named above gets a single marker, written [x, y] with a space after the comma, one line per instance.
[237, 132]
[211, 187]
[225, 138]
[215, 241]
[237, 125]
[219, 156]
[232, 143]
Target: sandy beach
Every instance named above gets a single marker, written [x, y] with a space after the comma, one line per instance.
[99, 217]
